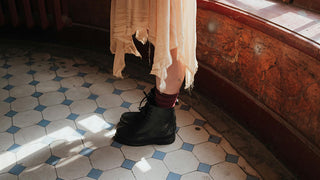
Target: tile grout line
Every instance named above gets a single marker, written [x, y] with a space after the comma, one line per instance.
[55, 169]
[14, 139]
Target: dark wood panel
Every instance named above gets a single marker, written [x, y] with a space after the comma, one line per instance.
[95, 13]
[291, 150]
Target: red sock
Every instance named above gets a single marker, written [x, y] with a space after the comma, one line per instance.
[165, 100]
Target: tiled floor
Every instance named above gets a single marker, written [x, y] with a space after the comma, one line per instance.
[58, 117]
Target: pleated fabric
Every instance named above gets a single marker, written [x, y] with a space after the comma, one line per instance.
[167, 24]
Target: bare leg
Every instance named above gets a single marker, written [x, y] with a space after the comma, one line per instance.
[176, 73]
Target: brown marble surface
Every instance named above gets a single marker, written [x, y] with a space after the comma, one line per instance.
[283, 78]
[304, 22]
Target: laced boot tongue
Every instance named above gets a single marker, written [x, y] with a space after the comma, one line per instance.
[149, 99]
[128, 118]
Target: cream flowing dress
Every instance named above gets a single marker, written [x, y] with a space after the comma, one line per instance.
[167, 24]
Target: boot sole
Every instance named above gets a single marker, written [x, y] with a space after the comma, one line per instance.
[159, 141]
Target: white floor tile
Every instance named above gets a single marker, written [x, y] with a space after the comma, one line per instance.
[196, 175]
[77, 93]
[117, 174]
[5, 123]
[6, 140]
[193, 134]
[107, 158]
[56, 112]
[96, 78]
[91, 122]
[109, 101]
[184, 118]
[39, 172]
[171, 147]
[61, 129]
[73, 167]
[64, 148]
[24, 104]
[27, 118]
[83, 106]
[72, 82]
[41, 66]
[2, 70]
[154, 169]
[8, 176]
[113, 115]
[64, 62]
[67, 72]
[8, 160]
[44, 75]
[101, 88]
[181, 162]
[51, 98]
[19, 69]
[22, 91]
[132, 96]
[30, 135]
[125, 84]
[47, 86]
[99, 139]
[3, 82]
[3, 94]
[227, 171]
[33, 154]
[137, 153]
[209, 153]
[4, 108]
[22, 79]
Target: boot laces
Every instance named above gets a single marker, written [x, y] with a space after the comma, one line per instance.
[146, 99]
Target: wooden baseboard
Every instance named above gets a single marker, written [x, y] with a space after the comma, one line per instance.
[287, 144]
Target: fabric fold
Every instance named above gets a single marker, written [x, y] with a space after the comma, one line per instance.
[167, 24]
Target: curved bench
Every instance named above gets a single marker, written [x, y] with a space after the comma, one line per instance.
[266, 75]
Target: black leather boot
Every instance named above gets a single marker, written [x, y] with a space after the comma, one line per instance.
[132, 117]
[154, 126]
